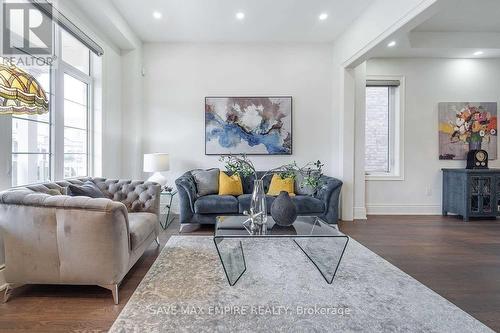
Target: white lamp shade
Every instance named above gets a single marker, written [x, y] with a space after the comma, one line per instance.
[156, 162]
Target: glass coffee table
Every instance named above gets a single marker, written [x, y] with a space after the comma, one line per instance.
[322, 243]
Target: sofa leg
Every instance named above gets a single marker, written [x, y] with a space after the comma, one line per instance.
[157, 240]
[114, 290]
[8, 291]
[188, 227]
[6, 295]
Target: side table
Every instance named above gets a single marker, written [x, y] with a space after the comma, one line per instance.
[170, 196]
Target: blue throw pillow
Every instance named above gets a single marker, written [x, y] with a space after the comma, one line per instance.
[88, 189]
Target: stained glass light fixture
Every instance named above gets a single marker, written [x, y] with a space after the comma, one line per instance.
[20, 92]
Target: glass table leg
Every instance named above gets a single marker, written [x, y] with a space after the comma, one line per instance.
[168, 220]
[231, 256]
[324, 252]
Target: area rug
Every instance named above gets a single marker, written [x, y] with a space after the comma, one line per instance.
[186, 291]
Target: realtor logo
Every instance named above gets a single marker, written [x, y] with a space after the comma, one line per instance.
[27, 29]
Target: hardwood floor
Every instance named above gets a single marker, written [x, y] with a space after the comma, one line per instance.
[46, 308]
[460, 261]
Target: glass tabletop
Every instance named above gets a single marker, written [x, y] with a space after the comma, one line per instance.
[322, 243]
[304, 226]
[173, 192]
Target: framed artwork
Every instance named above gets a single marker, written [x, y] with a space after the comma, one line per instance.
[467, 126]
[248, 125]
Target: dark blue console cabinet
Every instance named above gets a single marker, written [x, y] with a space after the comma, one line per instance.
[471, 193]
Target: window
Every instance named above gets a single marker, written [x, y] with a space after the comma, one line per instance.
[56, 145]
[383, 154]
[75, 127]
[75, 53]
[31, 147]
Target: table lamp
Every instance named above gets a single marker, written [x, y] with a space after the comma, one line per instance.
[157, 163]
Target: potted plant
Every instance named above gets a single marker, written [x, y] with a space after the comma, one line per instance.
[243, 166]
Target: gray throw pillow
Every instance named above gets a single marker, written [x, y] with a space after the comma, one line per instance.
[207, 181]
[303, 189]
[53, 191]
[88, 189]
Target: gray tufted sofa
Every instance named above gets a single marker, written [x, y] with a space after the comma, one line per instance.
[203, 210]
[52, 238]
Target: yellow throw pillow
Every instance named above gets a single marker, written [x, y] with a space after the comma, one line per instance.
[279, 184]
[230, 185]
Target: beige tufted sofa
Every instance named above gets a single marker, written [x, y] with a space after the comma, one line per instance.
[52, 238]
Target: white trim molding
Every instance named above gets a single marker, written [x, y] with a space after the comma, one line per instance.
[3, 283]
[359, 213]
[395, 209]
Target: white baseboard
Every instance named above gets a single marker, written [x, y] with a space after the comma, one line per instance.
[403, 209]
[359, 213]
[3, 283]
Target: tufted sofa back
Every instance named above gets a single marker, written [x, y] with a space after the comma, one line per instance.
[137, 196]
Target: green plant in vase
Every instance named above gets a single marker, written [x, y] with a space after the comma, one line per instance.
[243, 166]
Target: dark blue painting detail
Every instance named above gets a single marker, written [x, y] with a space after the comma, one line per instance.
[248, 125]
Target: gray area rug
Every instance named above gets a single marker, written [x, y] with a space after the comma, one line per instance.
[186, 291]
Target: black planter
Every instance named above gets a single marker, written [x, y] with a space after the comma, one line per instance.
[283, 210]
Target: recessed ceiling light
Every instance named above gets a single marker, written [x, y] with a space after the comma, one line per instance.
[323, 16]
[240, 15]
[391, 44]
[478, 53]
[157, 15]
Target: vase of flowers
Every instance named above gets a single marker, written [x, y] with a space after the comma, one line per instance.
[473, 126]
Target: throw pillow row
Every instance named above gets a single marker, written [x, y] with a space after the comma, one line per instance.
[214, 181]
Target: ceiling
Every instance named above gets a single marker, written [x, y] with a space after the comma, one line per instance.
[464, 16]
[215, 21]
[458, 30]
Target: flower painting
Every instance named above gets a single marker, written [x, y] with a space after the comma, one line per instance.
[467, 126]
[248, 125]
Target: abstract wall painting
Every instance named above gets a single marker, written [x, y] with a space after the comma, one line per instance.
[248, 125]
[467, 126]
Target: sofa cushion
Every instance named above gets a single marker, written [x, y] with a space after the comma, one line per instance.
[216, 204]
[141, 226]
[249, 181]
[279, 184]
[301, 188]
[88, 189]
[207, 181]
[245, 199]
[305, 204]
[308, 205]
[47, 188]
[230, 185]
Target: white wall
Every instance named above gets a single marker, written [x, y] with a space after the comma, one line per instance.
[377, 23]
[428, 82]
[180, 76]
[133, 110]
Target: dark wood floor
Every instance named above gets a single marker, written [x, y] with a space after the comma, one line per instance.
[460, 261]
